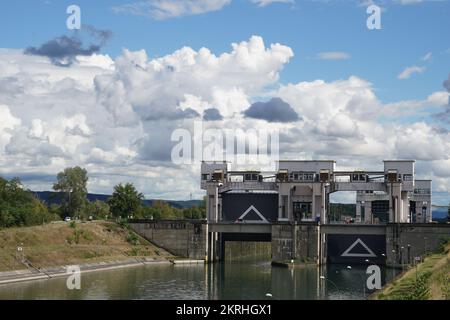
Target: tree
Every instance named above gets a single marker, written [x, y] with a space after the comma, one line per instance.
[150, 212]
[19, 207]
[98, 209]
[72, 183]
[125, 201]
[194, 213]
[165, 210]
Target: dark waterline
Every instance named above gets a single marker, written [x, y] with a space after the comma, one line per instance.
[238, 280]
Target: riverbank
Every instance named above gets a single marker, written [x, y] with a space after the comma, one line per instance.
[429, 280]
[68, 243]
[56, 272]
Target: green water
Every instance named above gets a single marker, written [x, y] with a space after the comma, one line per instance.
[238, 280]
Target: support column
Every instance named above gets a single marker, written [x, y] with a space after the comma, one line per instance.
[323, 211]
[391, 203]
[289, 207]
[313, 204]
[216, 205]
[207, 244]
[368, 211]
[405, 208]
[358, 211]
[280, 206]
[395, 202]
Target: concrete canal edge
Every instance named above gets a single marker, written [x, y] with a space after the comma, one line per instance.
[61, 271]
[186, 261]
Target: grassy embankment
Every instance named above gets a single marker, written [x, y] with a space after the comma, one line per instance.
[430, 280]
[65, 243]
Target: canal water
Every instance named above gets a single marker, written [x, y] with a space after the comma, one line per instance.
[228, 280]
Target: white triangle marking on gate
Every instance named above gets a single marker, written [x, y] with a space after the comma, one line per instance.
[362, 255]
[264, 220]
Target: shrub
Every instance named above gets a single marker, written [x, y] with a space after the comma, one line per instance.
[132, 238]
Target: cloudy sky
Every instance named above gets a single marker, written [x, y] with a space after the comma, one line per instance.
[108, 97]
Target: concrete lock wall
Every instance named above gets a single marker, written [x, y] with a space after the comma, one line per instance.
[299, 242]
[405, 242]
[282, 242]
[246, 250]
[307, 242]
[181, 238]
[304, 242]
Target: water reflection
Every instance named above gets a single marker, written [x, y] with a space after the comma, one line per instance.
[233, 280]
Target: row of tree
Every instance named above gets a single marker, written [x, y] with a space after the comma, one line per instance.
[19, 207]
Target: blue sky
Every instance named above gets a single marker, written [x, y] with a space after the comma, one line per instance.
[408, 33]
[357, 95]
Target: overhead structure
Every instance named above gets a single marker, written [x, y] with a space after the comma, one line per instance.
[299, 192]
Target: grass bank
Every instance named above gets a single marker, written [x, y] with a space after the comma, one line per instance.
[65, 243]
[429, 280]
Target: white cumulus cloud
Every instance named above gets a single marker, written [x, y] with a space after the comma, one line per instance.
[409, 71]
[164, 9]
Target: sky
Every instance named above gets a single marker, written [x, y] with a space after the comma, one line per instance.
[109, 96]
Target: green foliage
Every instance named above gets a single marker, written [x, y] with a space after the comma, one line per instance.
[445, 288]
[413, 289]
[91, 254]
[123, 224]
[55, 209]
[125, 201]
[443, 246]
[87, 236]
[161, 210]
[194, 213]
[72, 183]
[98, 209]
[77, 234]
[166, 211]
[132, 238]
[19, 207]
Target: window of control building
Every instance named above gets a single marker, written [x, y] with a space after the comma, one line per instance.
[251, 177]
[422, 191]
[359, 177]
[407, 177]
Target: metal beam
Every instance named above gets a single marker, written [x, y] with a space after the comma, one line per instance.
[240, 227]
[352, 229]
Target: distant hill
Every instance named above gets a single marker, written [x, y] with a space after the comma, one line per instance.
[439, 213]
[50, 198]
[340, 209]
